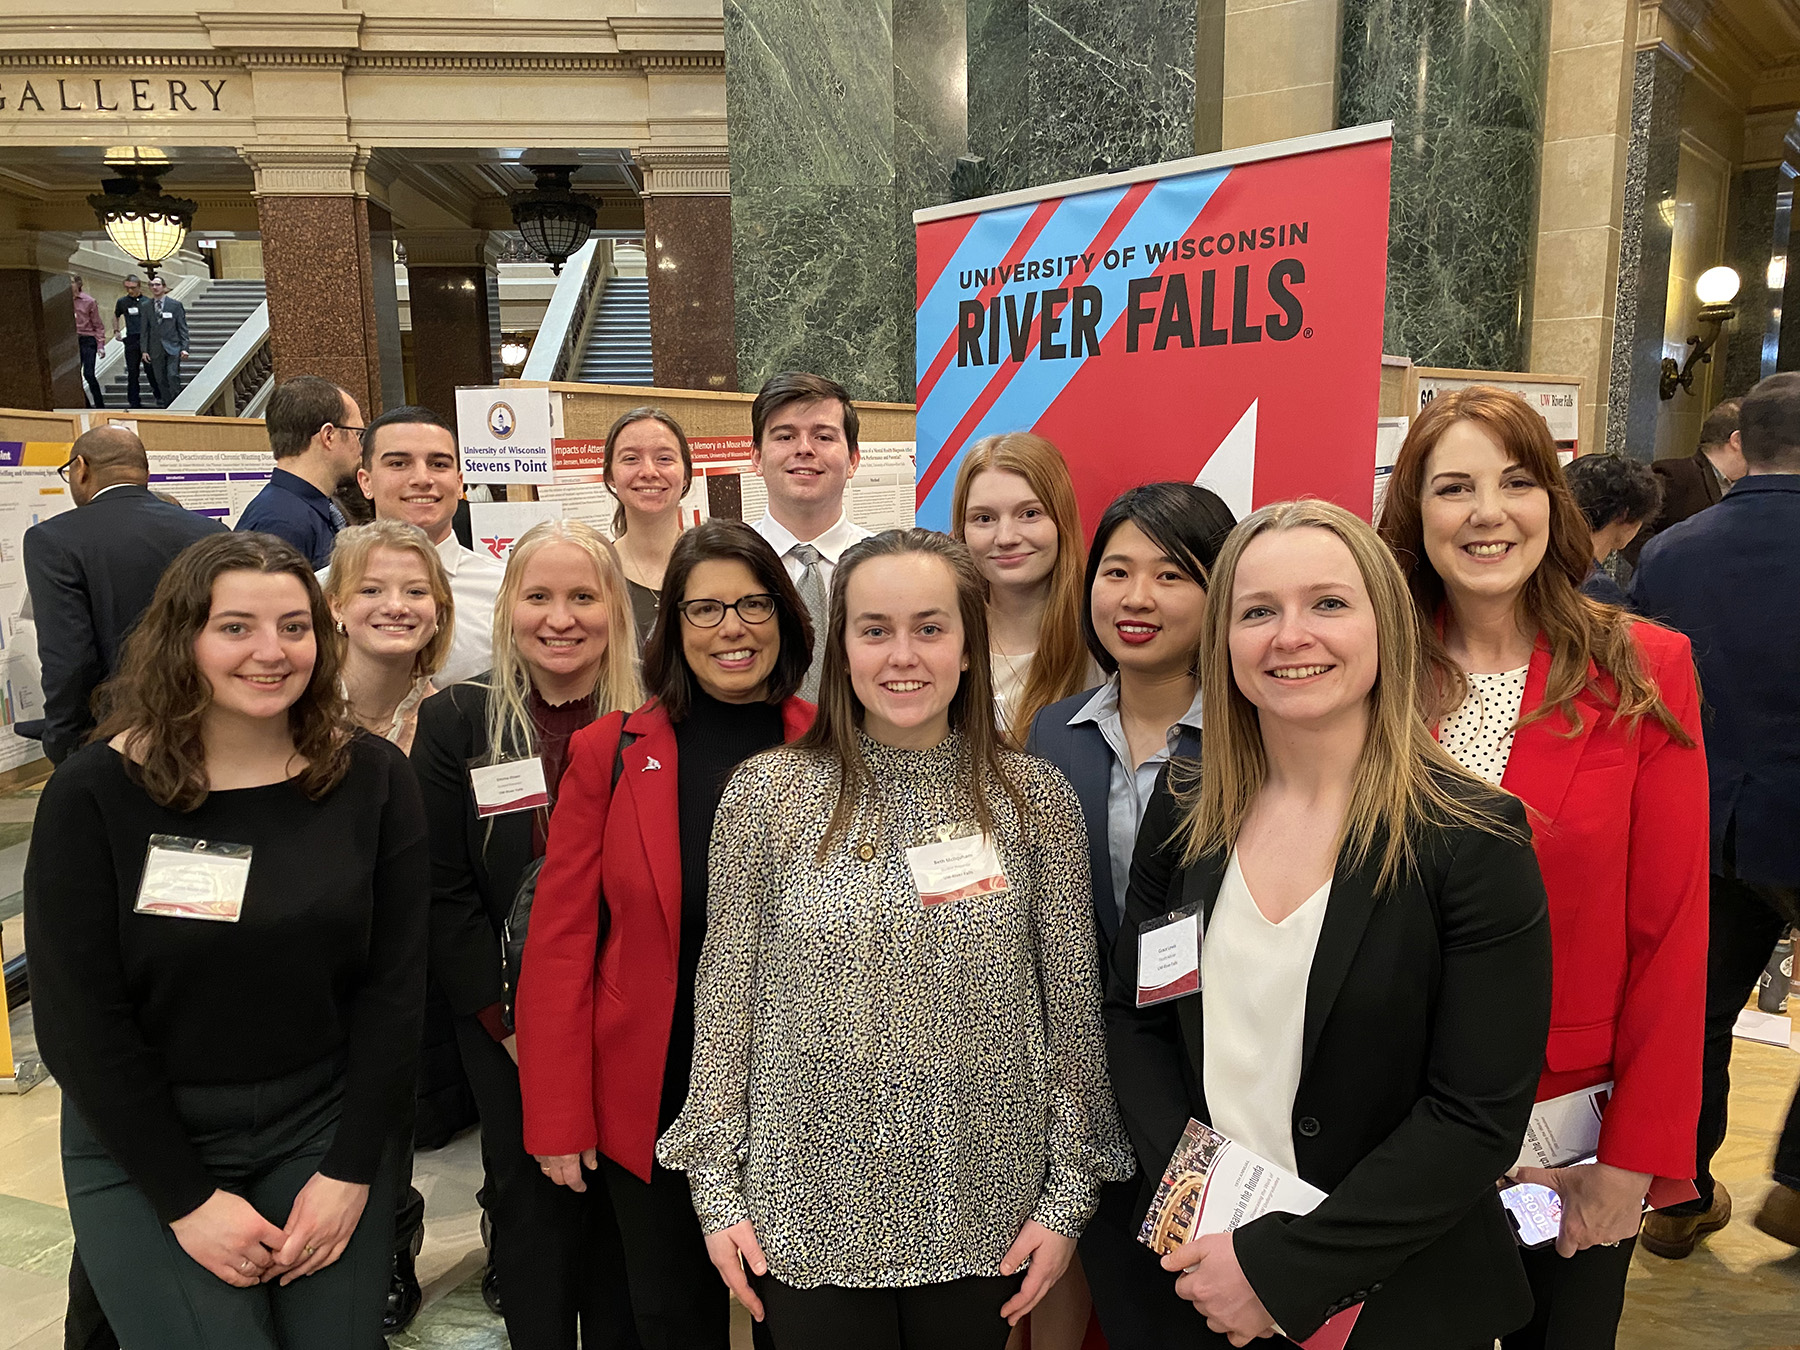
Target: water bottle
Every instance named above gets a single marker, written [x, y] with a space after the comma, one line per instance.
[1772, 985]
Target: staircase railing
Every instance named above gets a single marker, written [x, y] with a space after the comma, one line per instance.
[557, 348]
[186, 289]
[227, 385]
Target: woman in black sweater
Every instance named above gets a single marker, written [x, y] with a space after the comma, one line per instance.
[225, 906]
[564, 653]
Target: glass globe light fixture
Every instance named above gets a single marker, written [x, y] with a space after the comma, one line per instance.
[1717, 286]
[513, 351]
[554, 219]
[146, 225]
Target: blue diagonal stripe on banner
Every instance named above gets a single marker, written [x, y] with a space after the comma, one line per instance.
[1166, 213]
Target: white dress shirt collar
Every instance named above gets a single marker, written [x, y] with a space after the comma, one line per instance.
[831, 544]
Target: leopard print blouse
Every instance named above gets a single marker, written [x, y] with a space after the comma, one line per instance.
[889, 1091]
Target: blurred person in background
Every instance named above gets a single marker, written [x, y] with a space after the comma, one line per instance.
[1617, 496]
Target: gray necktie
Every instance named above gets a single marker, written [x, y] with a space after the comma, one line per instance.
[812, 594]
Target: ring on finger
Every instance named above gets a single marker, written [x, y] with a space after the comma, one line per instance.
[307, 1251]
[244, 1264]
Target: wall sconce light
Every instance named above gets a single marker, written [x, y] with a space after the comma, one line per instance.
[1716, 289]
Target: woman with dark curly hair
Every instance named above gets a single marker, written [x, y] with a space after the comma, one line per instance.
[226, 898]
[1618, 497]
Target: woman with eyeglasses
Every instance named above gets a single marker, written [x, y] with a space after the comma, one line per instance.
[606, 1001]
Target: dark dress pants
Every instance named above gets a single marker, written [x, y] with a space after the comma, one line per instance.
[263, 1141]
[1578, 1298]
[135, 371]
[1134, 1296]
[1745, 922]
[90, 350]
[165, 374]
[956, 1315]
[677, 1298]
[556, 1252]
[84, 1326]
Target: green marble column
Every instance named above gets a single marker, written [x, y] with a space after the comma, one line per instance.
[1064, 88]
[845, 116]
[1464, 87]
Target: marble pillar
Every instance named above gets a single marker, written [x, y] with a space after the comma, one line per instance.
[1748, 250]
[1787, 343]
[313, 213]
[385, 290]
[845, 116]
[687, 248]
[1064, 88]
[1647, 233]
[452, 281]
[1464, 87]
[40, 360]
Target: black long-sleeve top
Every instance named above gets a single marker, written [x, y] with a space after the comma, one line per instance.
[327, 958]
[711, 741]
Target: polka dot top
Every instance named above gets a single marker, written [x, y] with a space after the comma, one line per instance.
[1479, 734]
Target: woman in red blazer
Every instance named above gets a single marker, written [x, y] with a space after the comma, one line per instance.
[1592, 718]
[605, 1009]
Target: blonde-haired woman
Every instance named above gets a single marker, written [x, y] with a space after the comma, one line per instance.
[1014, 506]
[390, 598]
[1374, 967]
[489, 755]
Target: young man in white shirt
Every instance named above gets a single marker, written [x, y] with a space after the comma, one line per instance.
[805, 450]
[410, 472]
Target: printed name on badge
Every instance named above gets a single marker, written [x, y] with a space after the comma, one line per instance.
[1169, 957]
[517, 785]
[956, 869]
[194, 879]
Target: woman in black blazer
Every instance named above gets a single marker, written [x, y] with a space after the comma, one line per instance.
[555, 1259]
[1375, 962]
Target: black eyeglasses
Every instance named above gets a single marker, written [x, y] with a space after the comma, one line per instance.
[63, 472]
[711, 613]
[358, 430]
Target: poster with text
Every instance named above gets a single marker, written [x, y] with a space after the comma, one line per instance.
[30, 491]
[1214, 320]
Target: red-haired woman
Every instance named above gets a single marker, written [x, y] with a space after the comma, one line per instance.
[1014, 506]
[1592, 717]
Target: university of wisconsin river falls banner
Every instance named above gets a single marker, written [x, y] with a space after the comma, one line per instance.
[1215, 319]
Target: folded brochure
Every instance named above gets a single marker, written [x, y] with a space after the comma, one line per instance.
[1566, 1130]
[1213, 1185]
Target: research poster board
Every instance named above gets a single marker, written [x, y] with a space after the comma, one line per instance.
[1556, 397]
[30, 491]
[1215, 319]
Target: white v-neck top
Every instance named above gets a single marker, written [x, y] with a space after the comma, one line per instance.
[1253, 977]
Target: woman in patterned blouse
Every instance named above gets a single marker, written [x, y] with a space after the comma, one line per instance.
[899, 1092]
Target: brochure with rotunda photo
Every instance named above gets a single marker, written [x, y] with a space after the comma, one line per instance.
[1213, 1185]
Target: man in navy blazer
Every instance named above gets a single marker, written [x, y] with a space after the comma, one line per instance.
[91, 573]
[1727, 577]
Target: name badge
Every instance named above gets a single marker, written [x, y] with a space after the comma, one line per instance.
[194, 879]
[956, 869]
[1169, 956]
[517, 785]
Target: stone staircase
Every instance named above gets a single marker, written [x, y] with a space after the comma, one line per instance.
[212, 319]
[618, 344]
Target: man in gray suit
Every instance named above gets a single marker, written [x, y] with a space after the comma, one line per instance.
[165, 344]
